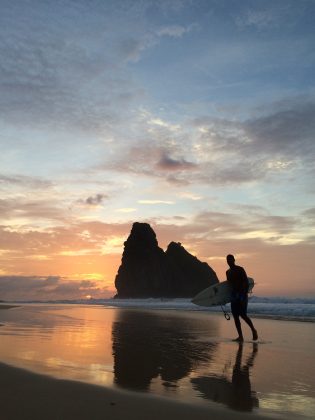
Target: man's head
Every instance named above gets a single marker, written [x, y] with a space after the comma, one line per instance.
[230, 260]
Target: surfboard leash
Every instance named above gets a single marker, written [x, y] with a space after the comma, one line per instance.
[225, 313]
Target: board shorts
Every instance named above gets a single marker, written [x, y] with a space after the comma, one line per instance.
[239, 303]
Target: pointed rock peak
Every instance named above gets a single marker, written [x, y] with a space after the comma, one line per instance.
[177, 248]
[143, 234]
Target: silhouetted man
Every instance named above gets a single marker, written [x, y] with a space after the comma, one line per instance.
[237, 277]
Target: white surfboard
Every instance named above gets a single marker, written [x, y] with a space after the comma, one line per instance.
[217, 294]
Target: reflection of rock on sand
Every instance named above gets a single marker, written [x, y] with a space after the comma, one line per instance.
[146, 346]
[235, 393]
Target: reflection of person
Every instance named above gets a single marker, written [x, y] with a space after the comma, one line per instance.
[242, 396]
[237, 277]
[235, 393]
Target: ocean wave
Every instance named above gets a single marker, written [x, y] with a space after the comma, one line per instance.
[278, 307]
[275, 307]
[281, 299]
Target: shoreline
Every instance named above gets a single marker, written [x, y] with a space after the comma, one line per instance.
[266, 316]
[33, 396]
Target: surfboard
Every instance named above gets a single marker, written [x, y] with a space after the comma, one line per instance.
[217, 294]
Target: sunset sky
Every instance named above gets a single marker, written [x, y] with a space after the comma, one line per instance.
[197, 117]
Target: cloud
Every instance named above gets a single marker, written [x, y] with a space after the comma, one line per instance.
[189, 196]
[243, 221]
[132, 48]
[23, 209]
[268, 16]
[94, 200]
[126, 210]
[155, 202]
[24, 181]
[150, 160]
[231, 170]
[49, 52]
[309, 214]
[67, 67]
[176, 31]
[47, 288]
[276, 142]
[28, 241]
[239, 226]
[260, 19]
[287, 133]
[166, 163]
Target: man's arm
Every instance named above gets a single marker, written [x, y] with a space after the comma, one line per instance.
[228, 276]
[245, 280]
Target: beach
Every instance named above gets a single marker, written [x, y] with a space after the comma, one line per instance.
[26, 395]
[79, 361]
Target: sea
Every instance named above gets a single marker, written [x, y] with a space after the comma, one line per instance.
[298, 309]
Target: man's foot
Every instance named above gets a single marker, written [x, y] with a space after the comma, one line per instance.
[239, 339]
[255, 335]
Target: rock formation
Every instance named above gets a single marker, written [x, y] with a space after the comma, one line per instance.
[192, 275]
[147, 271]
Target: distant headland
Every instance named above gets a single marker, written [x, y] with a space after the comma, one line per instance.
[147, 271]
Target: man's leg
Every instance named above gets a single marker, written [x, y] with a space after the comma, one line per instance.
[235, 307]
[243, 314]
[238, 327]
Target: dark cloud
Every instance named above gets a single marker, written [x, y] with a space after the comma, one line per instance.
[154, 161]
[169, 164]
[47, 288]
[275, 142]
[95, 200]
[289, 133]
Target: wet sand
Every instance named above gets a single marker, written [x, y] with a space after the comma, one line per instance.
[28, 396]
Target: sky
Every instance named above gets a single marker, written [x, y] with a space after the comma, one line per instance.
[197, 117]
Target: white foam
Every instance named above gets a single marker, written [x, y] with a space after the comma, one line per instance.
[274, 307]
